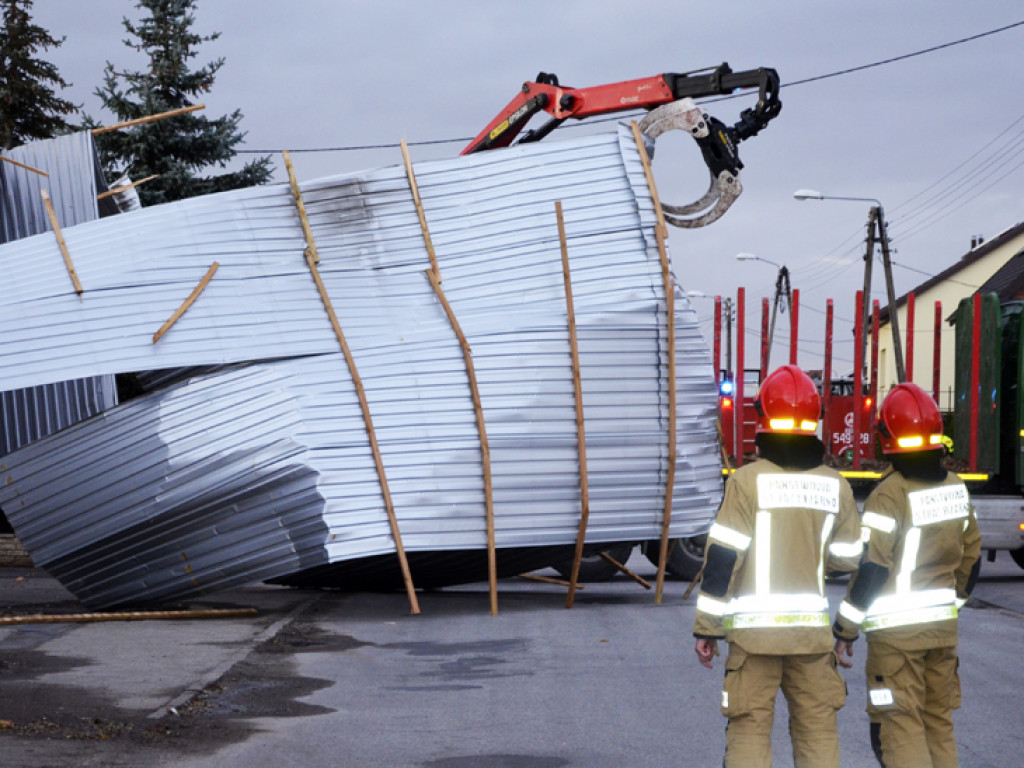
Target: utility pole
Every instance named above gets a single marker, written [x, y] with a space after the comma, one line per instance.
[782, 288]
[901, 373]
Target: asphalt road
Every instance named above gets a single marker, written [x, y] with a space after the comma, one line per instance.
[352, 680]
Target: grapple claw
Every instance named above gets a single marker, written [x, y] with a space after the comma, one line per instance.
[719, 153]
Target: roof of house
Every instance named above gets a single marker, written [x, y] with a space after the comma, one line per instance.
[1014, 278]
[1008, 281]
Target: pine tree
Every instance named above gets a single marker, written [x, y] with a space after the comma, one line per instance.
[29, 108]
[174, 148]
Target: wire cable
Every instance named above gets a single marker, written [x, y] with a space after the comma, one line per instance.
[816, 78]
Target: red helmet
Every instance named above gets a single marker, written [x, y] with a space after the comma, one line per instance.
[909, 420]
[788, 403]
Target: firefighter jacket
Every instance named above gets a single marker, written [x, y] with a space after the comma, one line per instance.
[922, 542]
[776, 536]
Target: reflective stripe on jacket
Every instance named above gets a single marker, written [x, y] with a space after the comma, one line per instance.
[787, 530]
[926, 537]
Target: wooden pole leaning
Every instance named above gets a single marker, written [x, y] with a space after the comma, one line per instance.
[434, 276]
[661, 233]
[194, 613]
[26, 167]
[419, 210]
[125, 187]
[632, 574]
[357, 382]
[307, 230]
[187, 303]
[146, 119]
[547, 580]
[485, 450]
[52, 214]
[581, 435]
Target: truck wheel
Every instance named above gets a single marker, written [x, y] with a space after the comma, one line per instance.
[594, 567]
[1018, 556]
[685, 556]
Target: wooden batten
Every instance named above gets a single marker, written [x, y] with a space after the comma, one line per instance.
[125, 187]
[485, 450]
[52, 214]
[577, 387]
[661, 233]
[146, 119]
[82, 618]
[419, 210]
[26, 167]
[434, 276]
[632, 574]
[187, 303]
[307, 230]
[389, 507]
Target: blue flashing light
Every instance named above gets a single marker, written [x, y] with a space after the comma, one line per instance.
[726, 387]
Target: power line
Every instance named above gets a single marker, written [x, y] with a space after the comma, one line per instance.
[905, 56]
[957, 168]
[816, 78]
[929, 274]
[955, 204]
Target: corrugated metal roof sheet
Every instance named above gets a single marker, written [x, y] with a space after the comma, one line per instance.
[266, 471]
[69, 161]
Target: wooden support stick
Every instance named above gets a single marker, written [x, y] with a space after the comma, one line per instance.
[485, 450]
[206, 613]
[26, 167]
[547, 580]
[434, 275]
[661, 233]
[187, 303]
[146, 119]
[696, 580]
[419, 210]
[307, 230]
[371, 433]
[124, 187]
[357, 382]
[633, 575]
[721, 445]
[581, 436]
[60, 241]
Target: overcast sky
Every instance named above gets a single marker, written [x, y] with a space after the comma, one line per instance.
[936, 137]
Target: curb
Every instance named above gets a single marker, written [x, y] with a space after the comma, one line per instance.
[221, 669]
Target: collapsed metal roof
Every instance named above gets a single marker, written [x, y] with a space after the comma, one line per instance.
[264, 470]
[72, 184]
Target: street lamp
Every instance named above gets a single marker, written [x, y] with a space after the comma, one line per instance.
[782, 288]
[876, 221]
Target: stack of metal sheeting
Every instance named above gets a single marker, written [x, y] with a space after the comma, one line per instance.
[71, 182]
[264, 470]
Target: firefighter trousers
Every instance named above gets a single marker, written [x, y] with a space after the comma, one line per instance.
[911, 698]
[814, 690]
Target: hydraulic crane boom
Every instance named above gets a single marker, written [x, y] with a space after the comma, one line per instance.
[669, 97]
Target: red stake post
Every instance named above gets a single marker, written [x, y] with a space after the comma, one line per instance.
[826, 383]
[858, 379]
[873, 387]
[910, 336]
[738, 412]
[718, 341]
[975, 383]
[794, 318]
[937, 351]
[764, 338]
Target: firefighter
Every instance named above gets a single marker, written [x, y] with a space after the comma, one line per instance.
[786, 521]
[918, 569]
